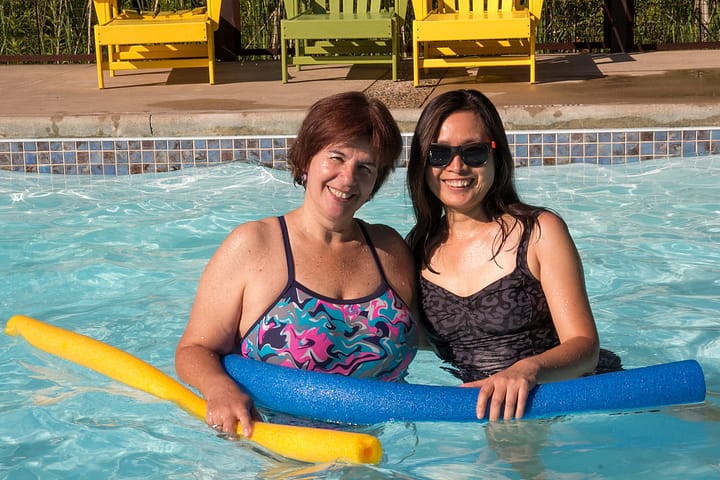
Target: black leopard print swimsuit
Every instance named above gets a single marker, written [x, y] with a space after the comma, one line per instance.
[490, 330]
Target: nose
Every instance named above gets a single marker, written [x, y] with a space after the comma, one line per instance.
[456, 162]
[350, 172]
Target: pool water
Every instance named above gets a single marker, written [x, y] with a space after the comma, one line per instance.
[118, 259]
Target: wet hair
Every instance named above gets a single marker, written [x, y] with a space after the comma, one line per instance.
[431, 225]
[343, 118]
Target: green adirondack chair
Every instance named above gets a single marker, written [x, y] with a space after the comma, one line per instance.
[327, 32]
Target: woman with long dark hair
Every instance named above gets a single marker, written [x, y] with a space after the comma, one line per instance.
[502, 287]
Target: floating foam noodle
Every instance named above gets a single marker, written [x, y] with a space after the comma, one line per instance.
[344, 399]
[306, 444]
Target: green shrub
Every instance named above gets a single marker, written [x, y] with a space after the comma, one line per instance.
[63, 27]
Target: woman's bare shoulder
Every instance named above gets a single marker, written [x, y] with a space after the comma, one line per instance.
[250, 240]
[550, 225]
[255, 231]
[386, 238]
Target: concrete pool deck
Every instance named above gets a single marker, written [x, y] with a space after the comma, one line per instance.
[574, 91]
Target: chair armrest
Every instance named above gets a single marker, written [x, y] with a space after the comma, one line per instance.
[535, 7]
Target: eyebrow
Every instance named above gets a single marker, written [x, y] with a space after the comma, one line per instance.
[338, 149]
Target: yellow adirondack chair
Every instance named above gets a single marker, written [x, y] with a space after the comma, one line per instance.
[342, 32]
[474, 33]
[178, 39]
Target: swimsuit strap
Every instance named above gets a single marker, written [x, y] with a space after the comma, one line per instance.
[373, 251]
[288, 251]
[521, 259]
[291, 261]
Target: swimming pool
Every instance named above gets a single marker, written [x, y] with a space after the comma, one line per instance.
[117, 258]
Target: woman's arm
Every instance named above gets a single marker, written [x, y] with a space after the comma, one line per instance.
[559, 268]
[554, 260]
[212, 331]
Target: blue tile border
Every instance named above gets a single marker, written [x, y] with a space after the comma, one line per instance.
[112, 156]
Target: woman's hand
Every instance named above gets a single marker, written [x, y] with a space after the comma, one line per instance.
[228, 405]
[505, 392]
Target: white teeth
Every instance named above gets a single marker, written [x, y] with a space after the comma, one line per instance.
[458, 183]
[339, 194]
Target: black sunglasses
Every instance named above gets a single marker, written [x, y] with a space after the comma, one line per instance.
[473, 154]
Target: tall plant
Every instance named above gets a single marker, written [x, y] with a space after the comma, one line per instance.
[19, 34]
[665, 21]
[568, 21]
[64, 27]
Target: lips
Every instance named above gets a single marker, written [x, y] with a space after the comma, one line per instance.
[339, 194]
[458, 182]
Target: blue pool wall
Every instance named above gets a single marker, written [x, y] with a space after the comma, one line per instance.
[114, 156]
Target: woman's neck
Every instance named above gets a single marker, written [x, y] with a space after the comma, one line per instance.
[317, 228]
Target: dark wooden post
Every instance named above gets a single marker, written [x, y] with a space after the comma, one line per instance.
[227, 37]
[619, 22]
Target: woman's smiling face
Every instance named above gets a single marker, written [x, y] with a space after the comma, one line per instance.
[341, 177]
[459, 187]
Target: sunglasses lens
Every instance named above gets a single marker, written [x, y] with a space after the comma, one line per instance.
[476, 156]
[439, 156]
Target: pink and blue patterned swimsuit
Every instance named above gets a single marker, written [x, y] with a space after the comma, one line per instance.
[370, 337]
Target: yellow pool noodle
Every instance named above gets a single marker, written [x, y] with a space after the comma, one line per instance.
[314, 445]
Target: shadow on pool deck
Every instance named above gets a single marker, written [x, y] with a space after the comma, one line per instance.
[577, 91]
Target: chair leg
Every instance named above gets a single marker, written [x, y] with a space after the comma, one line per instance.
[113, 55]
[99, 62]
[532, 70]
[299, 50]
[283, 59]
[395, 51]
[532, 58]
[416, 62]
[211, 55]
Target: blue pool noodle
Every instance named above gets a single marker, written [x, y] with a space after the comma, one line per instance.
[338, 398]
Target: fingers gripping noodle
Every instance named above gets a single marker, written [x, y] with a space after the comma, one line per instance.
[351, 400]
[313, 445]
